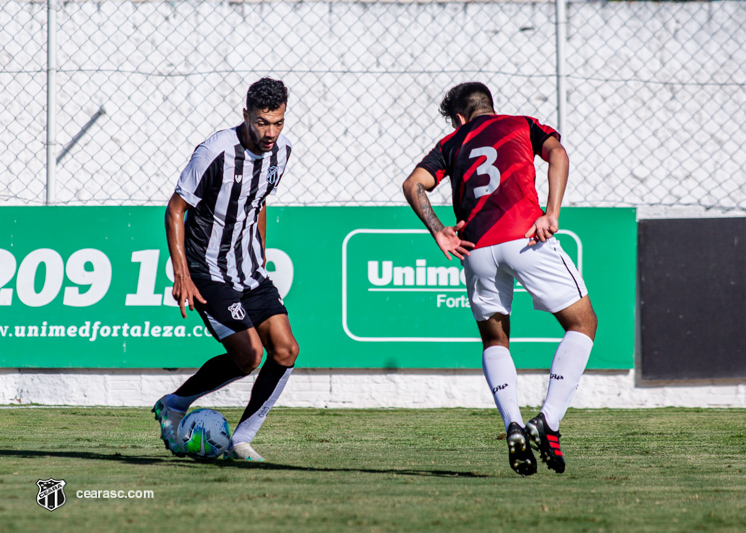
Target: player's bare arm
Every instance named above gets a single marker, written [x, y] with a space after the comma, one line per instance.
[547, 225]
[184, 289]
[415, 188]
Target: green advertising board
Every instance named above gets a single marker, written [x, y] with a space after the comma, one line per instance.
[366, 287]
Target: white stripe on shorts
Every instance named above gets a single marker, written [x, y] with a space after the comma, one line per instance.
[221, 330]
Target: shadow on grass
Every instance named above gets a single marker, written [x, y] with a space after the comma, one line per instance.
[189, 463]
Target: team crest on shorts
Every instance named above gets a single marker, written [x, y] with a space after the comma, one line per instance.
[273, 174]
[237, 311]
[51, 494]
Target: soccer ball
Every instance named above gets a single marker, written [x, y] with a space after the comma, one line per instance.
[204, 434]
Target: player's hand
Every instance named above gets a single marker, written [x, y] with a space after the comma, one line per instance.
[185, 292]
[543, 229]
[450, 243]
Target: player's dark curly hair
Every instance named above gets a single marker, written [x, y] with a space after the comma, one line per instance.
[266, 94]
[466, 99]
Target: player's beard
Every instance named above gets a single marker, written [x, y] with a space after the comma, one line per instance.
[256, 140]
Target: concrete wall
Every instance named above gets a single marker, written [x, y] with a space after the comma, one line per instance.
[358, 389]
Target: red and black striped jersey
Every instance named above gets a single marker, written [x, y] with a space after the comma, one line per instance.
[490, 161]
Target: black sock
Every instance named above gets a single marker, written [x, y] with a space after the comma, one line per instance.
[214, 374]
[265, 384]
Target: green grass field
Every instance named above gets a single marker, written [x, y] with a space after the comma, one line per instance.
[427, 470]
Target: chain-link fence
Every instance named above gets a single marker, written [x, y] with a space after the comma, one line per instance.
[655, 113]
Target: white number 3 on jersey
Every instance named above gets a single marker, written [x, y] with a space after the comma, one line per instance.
[486, 168]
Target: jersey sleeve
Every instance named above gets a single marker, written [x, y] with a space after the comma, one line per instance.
[199, 172]
[435, 163]
[539, 134]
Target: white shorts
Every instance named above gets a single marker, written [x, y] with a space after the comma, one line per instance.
[544, 270]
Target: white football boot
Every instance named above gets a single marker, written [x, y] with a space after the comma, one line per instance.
[169, 420]
[244, 451]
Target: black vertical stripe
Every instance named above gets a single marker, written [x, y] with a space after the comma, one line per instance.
[199, 222]
[261, 245]
[273, 157]
[213, 175]
[254, 189]
[275, 176]
[287, 158]
[239, 243]
[255, 263]
[272, 163]
[238, 167]
[239, 255]
[255, 179]
[232, 211]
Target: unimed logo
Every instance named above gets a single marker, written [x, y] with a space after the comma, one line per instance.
[386, 274]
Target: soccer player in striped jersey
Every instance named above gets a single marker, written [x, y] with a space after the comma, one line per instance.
[502, 234]
[216, 229]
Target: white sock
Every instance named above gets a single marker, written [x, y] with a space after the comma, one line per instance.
[499, 369]
[179, 403]
[246, 430]
[568, 365]
[182, 403]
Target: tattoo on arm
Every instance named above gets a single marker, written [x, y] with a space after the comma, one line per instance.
[428, 215]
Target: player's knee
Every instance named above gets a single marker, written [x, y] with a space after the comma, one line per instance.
[589, 322]
[286, 353]
[248, 359]
[587, 325]
[249, 363]
[594, 322]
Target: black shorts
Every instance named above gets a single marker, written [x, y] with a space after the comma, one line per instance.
[229, 311]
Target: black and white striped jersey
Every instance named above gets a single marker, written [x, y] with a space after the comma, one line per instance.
[226, 186]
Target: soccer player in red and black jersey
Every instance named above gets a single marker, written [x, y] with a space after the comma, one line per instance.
[502, 234]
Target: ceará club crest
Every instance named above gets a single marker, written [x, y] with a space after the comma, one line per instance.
[51, 494]
[273, 174]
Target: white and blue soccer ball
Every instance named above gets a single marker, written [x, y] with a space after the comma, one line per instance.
[204, 434]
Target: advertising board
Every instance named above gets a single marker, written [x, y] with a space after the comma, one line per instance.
[366, 287]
